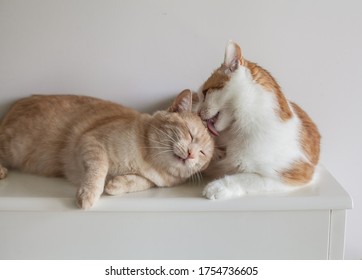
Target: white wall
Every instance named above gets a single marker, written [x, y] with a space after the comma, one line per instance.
[142, 53]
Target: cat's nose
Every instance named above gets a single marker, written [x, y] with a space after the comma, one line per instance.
[190, 155]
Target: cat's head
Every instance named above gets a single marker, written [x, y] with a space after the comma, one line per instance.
[219, 94]
[181, 144]
[237, 90]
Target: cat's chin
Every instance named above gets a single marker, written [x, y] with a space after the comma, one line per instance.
[185, 163]
[180, 159]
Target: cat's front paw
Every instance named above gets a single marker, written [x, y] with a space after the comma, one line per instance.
[86, 198]
[217, 190]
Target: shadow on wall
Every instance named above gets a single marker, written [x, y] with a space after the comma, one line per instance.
[160, 105]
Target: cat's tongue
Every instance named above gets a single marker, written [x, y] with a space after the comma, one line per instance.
[211, 127]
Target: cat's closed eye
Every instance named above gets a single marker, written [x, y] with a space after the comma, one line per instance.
[204, 92]
[192, 137]
[210, 90]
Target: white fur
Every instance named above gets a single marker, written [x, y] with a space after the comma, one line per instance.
[258, 143]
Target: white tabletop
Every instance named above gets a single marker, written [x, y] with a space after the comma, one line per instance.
[24, 192]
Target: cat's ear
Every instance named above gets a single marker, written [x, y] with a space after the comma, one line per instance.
[233, 56]
[182, 103]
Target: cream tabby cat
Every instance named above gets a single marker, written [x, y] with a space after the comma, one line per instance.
[265, 143]
[102, 146]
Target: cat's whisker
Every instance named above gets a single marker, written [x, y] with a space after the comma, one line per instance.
[162, 152]
[156, 141]
[194, 178]
[160, 143]
[199, 176]
[163, 133]
[154, 147]
[163, 144]
[176, 134]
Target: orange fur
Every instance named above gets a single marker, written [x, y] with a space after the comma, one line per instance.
[216, 81]
[300, 171]
[98, 144]
[220, 77]
[266, 80]
[309, 135]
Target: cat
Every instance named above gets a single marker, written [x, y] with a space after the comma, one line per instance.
[102, 146]
[264, 142]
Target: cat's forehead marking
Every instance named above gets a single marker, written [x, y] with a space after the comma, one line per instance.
[217, 80]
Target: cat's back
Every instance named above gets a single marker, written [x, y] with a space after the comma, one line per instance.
[59, 108]
[36, 129]
[57, 114]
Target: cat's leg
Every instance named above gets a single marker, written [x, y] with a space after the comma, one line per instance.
[94, 163]
[3, 172]
[127, 183]
[241, 184]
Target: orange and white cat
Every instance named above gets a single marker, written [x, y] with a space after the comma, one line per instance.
[265, 142]
[102, 146]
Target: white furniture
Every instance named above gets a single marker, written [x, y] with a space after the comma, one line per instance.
[39, 220]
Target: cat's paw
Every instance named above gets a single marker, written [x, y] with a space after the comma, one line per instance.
[118, 185]
[86, 198]
[224, 188]
[3, 172]
[217, 190]
[114, 189]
